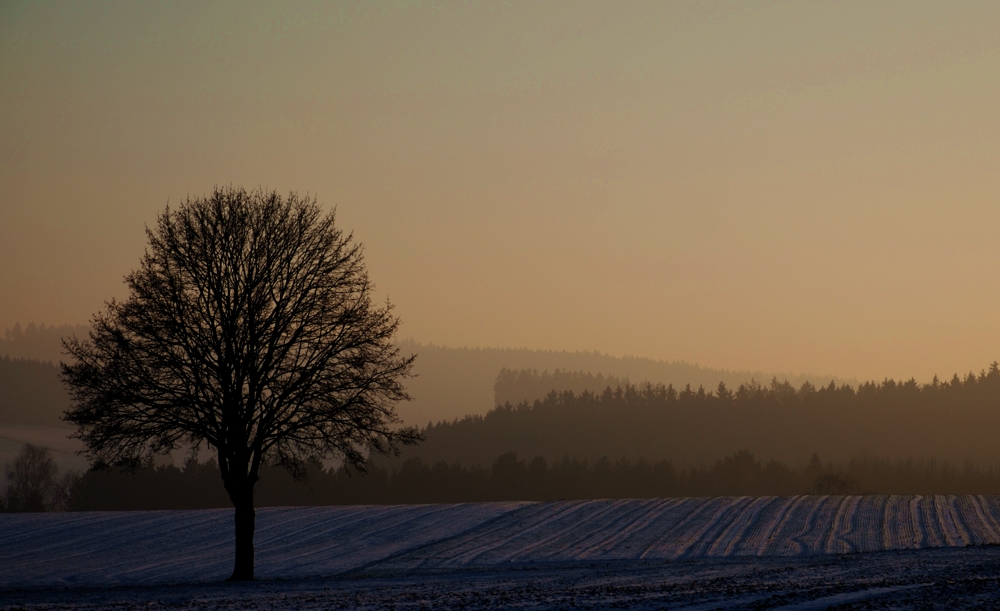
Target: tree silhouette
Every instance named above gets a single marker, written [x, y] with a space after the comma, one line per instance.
[248, 327]
[31, 481]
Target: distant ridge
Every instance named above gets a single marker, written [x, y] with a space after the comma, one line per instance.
[30, 390]
[39, 342]
[451, 382]
[454, 382]
[31, 393]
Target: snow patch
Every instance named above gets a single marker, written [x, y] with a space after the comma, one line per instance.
[115, 548]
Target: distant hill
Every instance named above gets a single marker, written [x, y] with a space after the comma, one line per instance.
[30, 390]
[953, 421]
[454, 382]
[31, 393]
[451, 382]
[38, 342]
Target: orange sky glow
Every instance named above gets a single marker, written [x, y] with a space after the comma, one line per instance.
[799, 187]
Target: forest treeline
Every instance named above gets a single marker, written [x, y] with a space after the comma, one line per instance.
[452, 382]
[30, 389]
[449, 382]
[955, 420]
[38, 342]
[509, 478]
[516, 386]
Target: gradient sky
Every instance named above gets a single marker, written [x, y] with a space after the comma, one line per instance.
[803, 187]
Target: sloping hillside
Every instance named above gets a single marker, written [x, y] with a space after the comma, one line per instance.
[454, 382]
[31, 393]
[450, 382]
[954, 421]
[39, 342]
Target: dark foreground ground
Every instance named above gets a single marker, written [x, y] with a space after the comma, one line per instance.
[946, 578]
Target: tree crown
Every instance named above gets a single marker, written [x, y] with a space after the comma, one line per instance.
[249, 326]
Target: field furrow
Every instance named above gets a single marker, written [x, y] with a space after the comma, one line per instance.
[190, 546]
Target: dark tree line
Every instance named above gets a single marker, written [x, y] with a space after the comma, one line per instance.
[38, 342]
[453, 382]
[956, 420]
[509, 478]
[516, 386]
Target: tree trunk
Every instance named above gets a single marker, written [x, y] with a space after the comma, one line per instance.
[243, 502]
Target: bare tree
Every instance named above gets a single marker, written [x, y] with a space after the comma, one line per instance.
[248, 327]
[31, 481]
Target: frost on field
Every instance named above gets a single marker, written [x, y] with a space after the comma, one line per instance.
[196, 546]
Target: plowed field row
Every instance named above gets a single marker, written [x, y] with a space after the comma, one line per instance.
[185, 546]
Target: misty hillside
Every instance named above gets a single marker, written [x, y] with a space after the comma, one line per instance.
[30, 390]
[516, 386]
[31, 393]
[38, 342]
[957, 421]
[454, 382]
[450, 383]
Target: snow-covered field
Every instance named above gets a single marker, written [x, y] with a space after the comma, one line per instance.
[746, 552]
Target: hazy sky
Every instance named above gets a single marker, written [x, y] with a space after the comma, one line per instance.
[806, 187]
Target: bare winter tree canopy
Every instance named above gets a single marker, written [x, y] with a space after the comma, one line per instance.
[249, 327]
[31, 482]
